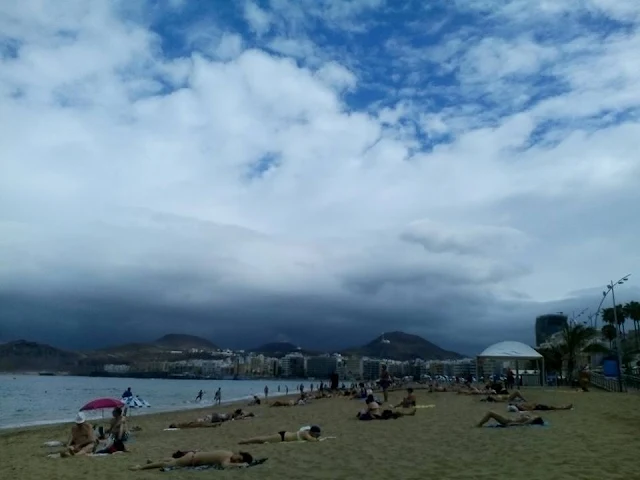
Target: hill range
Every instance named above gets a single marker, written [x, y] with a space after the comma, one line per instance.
[24, 355]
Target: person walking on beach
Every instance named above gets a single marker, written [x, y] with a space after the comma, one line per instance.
[311, 387]
[199, 397]
[266, 392]
[286, 389]
[217, 398]
[278, 388]
[385, 382]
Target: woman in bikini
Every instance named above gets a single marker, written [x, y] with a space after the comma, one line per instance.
[518, 421]
[311, 435]
[222, 458]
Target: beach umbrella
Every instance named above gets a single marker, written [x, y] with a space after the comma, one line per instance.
[101, 404]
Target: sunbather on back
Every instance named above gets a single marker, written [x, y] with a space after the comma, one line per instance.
[530, 407]
[517, 421]
[221, 458]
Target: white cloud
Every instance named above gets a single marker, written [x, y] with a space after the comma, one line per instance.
[258, 19]
[121, 158]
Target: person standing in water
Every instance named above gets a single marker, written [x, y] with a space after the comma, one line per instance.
[127, 393]
[278, 388]
[266, 392]
[217, 398]
[199, 397]
[286, 389]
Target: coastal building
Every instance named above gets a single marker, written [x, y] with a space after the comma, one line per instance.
[547, 325]
[116, 368]
[322, 367]
[371, 368]
[292, 365]
[352, 368]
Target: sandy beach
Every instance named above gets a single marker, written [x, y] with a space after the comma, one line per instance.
[596, 440]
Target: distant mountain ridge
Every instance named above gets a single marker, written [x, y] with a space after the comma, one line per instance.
[24, 355]
[403, 347]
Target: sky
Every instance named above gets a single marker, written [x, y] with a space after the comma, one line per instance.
[314, 171]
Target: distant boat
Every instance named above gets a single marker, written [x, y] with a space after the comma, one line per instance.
[47, 374]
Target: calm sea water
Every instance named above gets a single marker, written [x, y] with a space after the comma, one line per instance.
[35, 400]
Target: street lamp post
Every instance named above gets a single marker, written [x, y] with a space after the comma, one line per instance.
[611, 288]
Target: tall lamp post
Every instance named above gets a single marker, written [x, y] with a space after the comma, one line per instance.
[611, 288]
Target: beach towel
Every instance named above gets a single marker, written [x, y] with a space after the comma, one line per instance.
[425, 406]
[53, 443]
[497, 425]
[257, 461]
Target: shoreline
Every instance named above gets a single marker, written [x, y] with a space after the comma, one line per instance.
[138, 412]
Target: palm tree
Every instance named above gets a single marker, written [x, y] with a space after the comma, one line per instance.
[609, 318]
[577, 338]
[609, 333]
[632, 311]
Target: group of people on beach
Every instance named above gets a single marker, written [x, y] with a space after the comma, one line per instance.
[84, 438]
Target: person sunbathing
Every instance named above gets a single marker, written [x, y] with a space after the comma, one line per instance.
[437, 388]
[408, 401]
[288, 403]
[310, 435]
[476, 391]
[200, 423]
[518, 421]
[531, 407]
[515, 395]
[222, 458]
[375, 412]
[82, 440]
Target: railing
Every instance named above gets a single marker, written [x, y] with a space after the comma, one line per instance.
[630, 382]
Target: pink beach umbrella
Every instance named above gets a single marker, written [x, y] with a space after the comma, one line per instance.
[101, 404]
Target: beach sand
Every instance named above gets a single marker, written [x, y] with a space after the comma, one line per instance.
[596, 440]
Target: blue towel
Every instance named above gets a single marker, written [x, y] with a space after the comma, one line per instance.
[257, 461]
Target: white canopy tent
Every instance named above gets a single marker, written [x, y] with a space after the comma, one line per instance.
[515, 351]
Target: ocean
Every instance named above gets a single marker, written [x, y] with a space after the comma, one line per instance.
[38, 400]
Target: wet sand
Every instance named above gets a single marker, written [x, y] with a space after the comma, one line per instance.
[596, 440]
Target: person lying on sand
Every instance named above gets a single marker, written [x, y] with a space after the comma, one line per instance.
[255, 401]
[200, 423]
[476, 391]
[375, 412]
[408, 401]
[516, 395]
[311, 435]
[82, 439]
[288, 403]
[437, 388]
[530, 407]
[237, 414]
[214, 420]
[222, 458]
[518, 421]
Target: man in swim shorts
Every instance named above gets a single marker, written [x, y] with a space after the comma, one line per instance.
[530, 407]
[222, 458]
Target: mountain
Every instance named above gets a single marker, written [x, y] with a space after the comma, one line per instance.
[183, 342]
[22, 355]
[402, 346]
